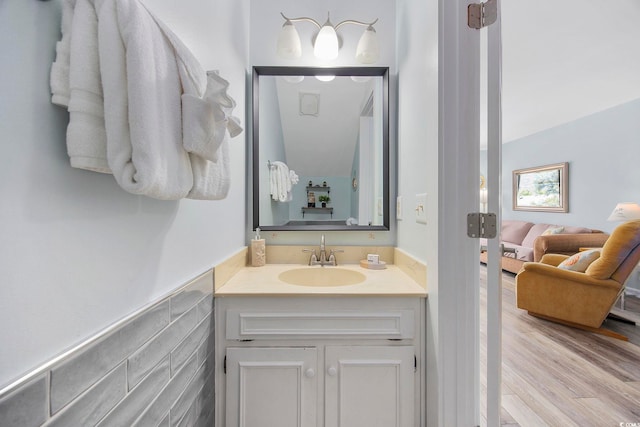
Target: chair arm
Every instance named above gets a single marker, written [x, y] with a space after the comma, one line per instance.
[555, 273]
[553, 259]
[566, 244]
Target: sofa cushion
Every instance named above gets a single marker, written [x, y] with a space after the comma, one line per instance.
[539, 229]
[576, 230]
[524, 253]
[580, 261]
[535, 231]
[552, 230]
[514, 231]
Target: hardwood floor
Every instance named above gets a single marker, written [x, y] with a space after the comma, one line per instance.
[554, 375]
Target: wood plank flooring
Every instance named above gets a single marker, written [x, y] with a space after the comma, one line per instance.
[554, 375]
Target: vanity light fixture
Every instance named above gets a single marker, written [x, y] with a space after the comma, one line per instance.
[326, 43]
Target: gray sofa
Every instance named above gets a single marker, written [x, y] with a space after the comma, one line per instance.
[528, 243]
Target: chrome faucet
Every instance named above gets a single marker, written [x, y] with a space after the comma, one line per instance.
[323, 252]
[331, 260]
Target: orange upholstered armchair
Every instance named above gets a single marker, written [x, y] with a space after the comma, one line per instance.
[575, 298]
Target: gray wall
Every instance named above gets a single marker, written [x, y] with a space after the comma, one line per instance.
[78, 253]
[602, 150]
[271, 212]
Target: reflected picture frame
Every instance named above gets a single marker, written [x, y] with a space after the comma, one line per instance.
[542, 188]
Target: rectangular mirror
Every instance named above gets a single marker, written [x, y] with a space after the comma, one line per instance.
[318, 134]
[543, 188]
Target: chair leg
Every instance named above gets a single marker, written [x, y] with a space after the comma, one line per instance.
[600, 331]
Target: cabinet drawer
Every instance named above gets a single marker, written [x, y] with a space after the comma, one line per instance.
[245, 325]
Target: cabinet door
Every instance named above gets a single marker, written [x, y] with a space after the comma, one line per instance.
[271, 387]
[369, 386]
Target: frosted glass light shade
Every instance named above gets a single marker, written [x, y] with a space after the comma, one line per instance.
[326, 45]
[625, 211]
[368, 50]
[325, 78]
[289, 46]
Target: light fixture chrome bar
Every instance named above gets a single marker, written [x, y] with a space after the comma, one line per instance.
[351, 21]
[302, 18]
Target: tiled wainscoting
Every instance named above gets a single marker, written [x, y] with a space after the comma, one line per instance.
[154, 369]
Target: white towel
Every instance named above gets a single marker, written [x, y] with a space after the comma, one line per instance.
[280, 181]
[207, 126]
[142, 91]
[293, 176]
[208, 122]
[135, 130]
[205, 131]
[59, 77]
[86, 136]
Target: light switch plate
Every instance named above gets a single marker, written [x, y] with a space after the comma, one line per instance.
[421, 208]
[399, 207]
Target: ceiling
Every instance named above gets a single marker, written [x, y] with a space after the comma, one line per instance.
[563, 60]
[321, 144]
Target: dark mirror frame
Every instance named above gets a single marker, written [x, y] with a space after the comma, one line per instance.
[313, 71]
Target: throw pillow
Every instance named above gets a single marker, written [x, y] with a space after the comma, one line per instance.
[553, 230]
[580, 261]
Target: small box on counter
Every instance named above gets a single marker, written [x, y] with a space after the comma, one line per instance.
[373, 258]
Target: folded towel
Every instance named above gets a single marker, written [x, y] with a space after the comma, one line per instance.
[142, 91]
[59, 76]
[280, 182]
[75, 83]
[207, 122]
[140, 128]
[86, 134]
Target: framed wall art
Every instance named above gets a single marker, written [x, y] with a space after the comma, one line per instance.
[543, 188]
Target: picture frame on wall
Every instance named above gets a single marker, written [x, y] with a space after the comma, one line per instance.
[542, 188]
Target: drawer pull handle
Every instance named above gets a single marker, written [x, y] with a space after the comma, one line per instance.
[309, 373]
[332, 371]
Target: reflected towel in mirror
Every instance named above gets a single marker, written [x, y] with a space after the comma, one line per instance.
[280, 178]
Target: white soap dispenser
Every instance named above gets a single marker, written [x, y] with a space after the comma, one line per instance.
[258, 250]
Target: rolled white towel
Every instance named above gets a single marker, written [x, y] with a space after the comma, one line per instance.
[293, 176]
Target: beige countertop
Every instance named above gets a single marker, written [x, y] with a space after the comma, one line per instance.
[252, 281]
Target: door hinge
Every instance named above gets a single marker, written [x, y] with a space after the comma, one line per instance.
[481, 225]
[224, 365]
[480, 15]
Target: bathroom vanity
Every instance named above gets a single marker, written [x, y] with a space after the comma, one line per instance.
[320, 354]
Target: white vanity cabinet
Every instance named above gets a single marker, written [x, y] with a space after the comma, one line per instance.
[319, 361]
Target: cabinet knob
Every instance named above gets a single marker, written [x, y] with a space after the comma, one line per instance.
[309, 373]
[332, 371]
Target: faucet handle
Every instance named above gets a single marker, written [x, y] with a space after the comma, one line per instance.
[313, 258]
[332, 256]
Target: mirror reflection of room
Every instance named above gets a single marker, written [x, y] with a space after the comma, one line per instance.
[321, 151]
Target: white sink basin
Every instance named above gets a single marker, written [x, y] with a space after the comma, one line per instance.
[321, 276]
